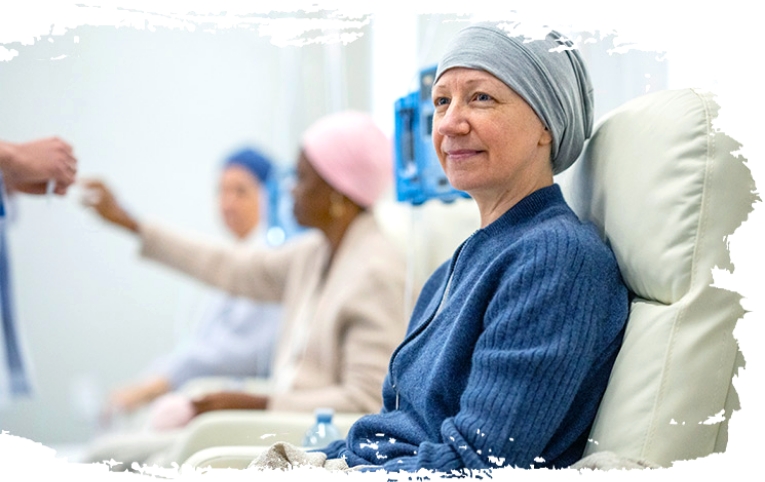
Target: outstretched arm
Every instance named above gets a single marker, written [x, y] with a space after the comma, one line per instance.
[28, 167]
[102, 200]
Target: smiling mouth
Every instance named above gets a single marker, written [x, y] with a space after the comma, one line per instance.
[458, 155]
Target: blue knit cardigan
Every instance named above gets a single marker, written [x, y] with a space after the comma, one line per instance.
[508, 351]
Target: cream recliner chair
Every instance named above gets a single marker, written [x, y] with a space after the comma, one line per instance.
[664, 190]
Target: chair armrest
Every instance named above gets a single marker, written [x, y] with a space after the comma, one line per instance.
[250, 428]
[231, 457]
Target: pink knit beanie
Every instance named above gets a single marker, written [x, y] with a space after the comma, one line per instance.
[352, 154]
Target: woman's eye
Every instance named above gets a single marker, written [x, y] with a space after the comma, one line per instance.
[482, 97]
[440, 101]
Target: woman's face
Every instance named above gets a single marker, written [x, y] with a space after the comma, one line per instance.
[239, 200]
[488, 139]
[311, 195]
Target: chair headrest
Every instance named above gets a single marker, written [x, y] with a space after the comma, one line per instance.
[643, 180]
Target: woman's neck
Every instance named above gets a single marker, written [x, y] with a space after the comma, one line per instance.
[493, 204]
[336, 230]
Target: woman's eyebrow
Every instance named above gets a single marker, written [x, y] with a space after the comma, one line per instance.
[468, 82]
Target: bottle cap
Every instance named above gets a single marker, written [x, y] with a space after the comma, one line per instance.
[324, 414]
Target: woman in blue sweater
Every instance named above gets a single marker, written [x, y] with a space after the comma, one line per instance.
[512, 341]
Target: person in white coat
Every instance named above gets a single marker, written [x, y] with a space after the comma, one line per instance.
[37, 167]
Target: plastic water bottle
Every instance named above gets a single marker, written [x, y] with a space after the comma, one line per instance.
[323, 431]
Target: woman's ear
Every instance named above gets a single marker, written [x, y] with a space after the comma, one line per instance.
[545, 138]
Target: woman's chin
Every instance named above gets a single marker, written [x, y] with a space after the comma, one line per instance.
[464, 183]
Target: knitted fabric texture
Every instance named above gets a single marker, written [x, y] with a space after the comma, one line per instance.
[285, 456]
[511, 370]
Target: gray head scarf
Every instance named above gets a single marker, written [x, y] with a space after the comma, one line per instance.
[554, 83]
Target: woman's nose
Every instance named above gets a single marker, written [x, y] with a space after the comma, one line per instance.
[452, 122]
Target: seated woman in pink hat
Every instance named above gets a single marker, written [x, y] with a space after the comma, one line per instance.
[341, 284]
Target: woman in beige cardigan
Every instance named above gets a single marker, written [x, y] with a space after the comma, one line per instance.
[341, 285]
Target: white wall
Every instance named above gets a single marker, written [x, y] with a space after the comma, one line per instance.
[154, 113]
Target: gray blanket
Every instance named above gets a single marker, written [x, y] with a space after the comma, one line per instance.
[285, 456]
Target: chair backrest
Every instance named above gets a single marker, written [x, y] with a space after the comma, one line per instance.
[427, 235]
[662, 185]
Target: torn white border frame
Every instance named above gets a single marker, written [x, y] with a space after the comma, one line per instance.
[716, 46]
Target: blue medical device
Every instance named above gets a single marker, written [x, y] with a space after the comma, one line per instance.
[282, 224]
[419, 176]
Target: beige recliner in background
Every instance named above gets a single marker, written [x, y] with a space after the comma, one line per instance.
[664, 190]
[233, 438]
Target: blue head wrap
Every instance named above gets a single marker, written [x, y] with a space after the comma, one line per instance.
[255, 162]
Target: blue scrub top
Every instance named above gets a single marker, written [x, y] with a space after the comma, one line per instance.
[12, 365]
